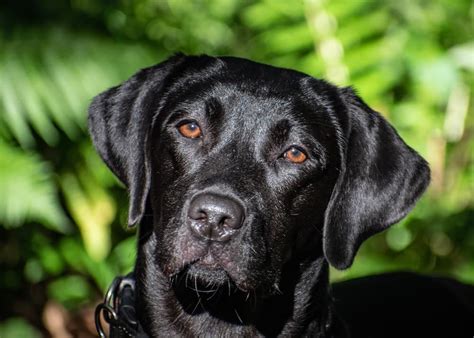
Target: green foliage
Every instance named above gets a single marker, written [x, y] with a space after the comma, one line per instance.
[69, 289]
[62, 212]
[28, 190]
[17, 327]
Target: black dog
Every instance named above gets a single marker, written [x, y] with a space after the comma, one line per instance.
[247, 180]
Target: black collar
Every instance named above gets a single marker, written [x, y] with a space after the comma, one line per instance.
[119, 313]
[118, 310]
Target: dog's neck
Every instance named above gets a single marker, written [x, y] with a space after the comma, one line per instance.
[182, 308]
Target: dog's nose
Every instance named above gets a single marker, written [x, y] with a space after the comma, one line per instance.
[215, 217]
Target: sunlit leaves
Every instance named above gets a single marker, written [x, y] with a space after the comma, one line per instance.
[18, 327]
[27, 191]
[93, 210]
[69, 290]
[46, 85]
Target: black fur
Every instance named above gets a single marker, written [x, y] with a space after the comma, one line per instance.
[271, 277]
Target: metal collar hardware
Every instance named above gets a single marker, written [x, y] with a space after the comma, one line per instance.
[118, 309]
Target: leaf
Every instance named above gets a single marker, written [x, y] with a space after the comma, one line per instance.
[69, 290]
[28, 191]
[46, 85]
[93, 211]
[124, 254]
[79, 260]
[463, 55]
[31, 105]
[355, 30]
[18, 327]
[262, 15]
[11, 112]
[288, 39]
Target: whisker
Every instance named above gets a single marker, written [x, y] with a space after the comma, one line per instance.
[215, 292]
[196, 287]
[195, 307]
[186, 280]
[238, 316]
[180, 314]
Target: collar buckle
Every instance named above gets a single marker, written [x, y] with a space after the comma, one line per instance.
[118, 309]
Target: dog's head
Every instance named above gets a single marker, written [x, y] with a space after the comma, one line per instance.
[245, 167]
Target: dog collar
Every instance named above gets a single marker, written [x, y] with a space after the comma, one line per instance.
[118, 309]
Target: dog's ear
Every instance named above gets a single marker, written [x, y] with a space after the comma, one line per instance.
[379, 182]
[120, 122]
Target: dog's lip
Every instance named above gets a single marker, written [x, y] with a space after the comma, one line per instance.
[208, 261]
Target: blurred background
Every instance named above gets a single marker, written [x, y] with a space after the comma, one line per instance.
[63, 233]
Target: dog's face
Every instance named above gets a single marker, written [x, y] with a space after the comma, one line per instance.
[245, 167]
[239, 169]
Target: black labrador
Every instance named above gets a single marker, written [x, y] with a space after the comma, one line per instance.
[247, 181]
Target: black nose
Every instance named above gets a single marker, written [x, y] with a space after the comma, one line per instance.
[215, 217]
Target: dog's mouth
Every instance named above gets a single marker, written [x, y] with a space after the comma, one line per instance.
[208, 276]
[206, 271]
[207, 283]
[210, 263]
[202, 286]
[210, 273]
[207, 261]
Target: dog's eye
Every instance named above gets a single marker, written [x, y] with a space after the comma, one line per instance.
[295, 155]
[190, 129]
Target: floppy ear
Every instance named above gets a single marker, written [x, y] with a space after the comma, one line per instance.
[380, 180]
[120, 122]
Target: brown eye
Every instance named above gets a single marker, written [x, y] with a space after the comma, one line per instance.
[190, 130]
[295, 155]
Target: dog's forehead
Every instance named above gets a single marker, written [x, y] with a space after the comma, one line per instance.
[249, 98]
[242, 104]
[255, 109]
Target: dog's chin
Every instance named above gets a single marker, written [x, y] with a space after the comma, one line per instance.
[208, 276]
[207, 271]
